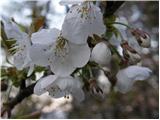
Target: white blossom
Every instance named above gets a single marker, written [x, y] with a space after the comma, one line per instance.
[21, 47]
[60, 87]
[127, 76]
[82, 21]
[51, 48]
[101, 54]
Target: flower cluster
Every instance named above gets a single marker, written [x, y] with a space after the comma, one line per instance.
[67, 50]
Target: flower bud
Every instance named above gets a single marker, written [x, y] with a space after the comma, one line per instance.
[95, 89]
[142, 37]
[101, 54]
[130, 54]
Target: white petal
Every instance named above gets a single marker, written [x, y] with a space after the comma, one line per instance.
[60, 86]
[43, 84]
[30, 71]
[62, 69]
[56, 94]
[101, 54]
[96, 26]
[73, 29]
[20, 59]
[116, 41]
[68, 82]
[79, 54]
[62, 66]
[137, 72]
[39, 54]
[67, 85]
[12, 30]
[126, 77]
[77, 28]
[66, 2]
[45, 36]
[71, 86]
[78, 94]
[123, 84]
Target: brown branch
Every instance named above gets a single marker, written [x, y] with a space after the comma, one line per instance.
[23, 84]
[24, 93]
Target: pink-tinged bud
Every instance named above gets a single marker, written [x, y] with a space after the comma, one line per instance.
[142, 37]
[130, 54]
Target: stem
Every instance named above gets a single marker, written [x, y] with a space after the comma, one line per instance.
[122, 24]
[19, 97]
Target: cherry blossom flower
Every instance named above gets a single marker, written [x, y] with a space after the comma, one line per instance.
[101, 54]
[127, 76]
[82, 21]
[21, 47]
[60, 87]
[51, 48]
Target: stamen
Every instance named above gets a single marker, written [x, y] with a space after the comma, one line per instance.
[68, 97]
[85, 10]
[17, 47]
[61, 49]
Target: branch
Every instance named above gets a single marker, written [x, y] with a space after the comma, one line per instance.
[112, 7]
[23, 84]
[33, 115]
[24, 93]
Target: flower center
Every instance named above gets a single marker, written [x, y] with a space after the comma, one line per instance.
[61, 49]
[86, 12]
[17, 47]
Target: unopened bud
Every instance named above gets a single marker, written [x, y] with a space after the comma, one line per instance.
[130, 54]
[142, 37]
[101, 54]
[95, 89]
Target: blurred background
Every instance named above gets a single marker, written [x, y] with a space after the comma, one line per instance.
[141, 102]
